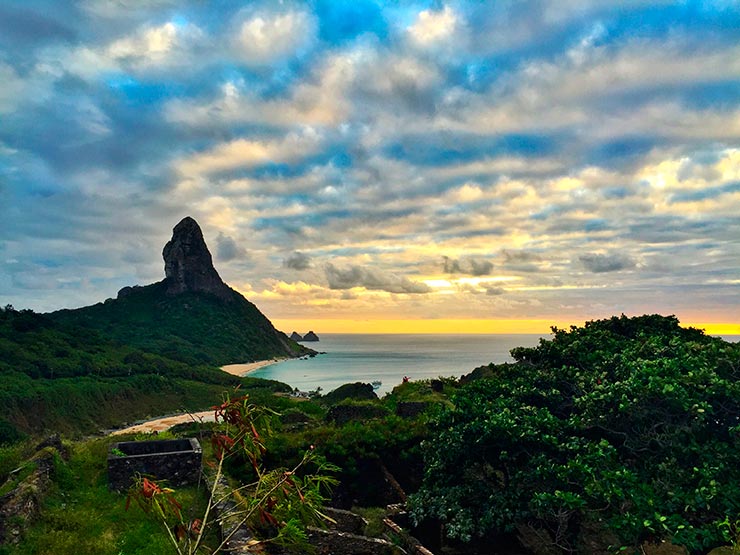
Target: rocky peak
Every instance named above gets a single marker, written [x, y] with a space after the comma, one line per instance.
[188, 265]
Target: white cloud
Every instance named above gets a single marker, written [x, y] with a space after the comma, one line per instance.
[247, 153]
[266, 38]
[432, 27]
[148, 48]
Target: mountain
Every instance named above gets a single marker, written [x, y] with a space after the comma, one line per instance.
[191, 316]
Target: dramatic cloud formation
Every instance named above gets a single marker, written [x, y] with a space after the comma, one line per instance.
[532, 160]
[371, 278]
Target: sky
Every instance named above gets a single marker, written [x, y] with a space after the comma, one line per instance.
[370, 166]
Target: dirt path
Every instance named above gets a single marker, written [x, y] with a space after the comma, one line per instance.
[165, 423]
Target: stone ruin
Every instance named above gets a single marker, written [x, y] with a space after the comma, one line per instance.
[178, 461]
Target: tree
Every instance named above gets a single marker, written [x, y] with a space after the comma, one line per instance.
[627, 424]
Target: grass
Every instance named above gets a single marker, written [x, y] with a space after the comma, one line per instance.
[80, 516]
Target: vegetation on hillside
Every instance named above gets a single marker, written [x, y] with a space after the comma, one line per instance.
[191, 327]
[68, 378]
[611, 434]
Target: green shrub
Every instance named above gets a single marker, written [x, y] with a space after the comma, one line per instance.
[634, 422]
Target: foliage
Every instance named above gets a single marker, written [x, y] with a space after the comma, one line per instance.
[58, 376]
[196, 328]
[630, 422]
[357, 391]
[81, 516]
[276, 505]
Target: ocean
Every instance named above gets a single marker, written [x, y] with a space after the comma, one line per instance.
[389, 357]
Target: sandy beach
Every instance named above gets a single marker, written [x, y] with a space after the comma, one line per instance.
[247, 367]
[161, 424]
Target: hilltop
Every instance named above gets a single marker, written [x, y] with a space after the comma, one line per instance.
[191, 316]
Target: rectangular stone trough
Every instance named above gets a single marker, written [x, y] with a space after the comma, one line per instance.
[178, 461]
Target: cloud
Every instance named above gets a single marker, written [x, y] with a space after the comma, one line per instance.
[228, 249]
[248, 153]
[378, 136]
[470, 266]
[432, 27]
[602, 263]
[371, 278]
[11, 92]
[494, 291]
[265, 38]
[298, 261]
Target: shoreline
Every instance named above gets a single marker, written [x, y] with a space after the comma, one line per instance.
[166, 422]
[245, 368]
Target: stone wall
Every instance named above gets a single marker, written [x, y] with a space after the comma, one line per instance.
[177, 461]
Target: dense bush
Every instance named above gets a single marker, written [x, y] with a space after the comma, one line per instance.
[625, 424]
[357, 391]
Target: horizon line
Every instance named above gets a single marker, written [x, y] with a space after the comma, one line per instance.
[459, 326]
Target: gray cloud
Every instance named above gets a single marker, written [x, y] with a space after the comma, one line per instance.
[371, 278]
[601, 263]
[470, 266]
[298, 261]
[494, 291]
[228, 249]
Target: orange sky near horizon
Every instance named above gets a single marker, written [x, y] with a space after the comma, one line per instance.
[462, 326]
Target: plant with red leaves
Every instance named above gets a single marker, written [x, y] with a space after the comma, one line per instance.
[276, 507]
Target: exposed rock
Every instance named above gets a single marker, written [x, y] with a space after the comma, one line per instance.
[295, 336]
[127, 291]
[664, 548]
[344, 543]
[345, 521]
[188, 265]
[310, 336]
[21, 505]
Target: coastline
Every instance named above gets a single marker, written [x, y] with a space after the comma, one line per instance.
[166, 422]
[245, 368]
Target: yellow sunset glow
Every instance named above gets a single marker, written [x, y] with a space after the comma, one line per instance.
[453, 326]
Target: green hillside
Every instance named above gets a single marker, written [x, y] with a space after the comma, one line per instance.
[193, 327]
[56, 376]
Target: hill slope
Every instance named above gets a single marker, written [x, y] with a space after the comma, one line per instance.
[56, 376]
[190, 316]
[192, 326]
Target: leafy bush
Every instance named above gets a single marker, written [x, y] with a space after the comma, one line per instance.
[357, 391]
[632, 424]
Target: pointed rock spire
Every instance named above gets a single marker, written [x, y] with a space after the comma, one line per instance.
[188, 265]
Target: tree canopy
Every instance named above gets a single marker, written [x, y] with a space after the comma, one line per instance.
[630, 425]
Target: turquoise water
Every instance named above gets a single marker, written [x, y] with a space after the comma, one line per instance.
[388, 358]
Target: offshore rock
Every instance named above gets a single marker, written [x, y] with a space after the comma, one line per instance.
[295, 336]
[310, 336]
[188, 265]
